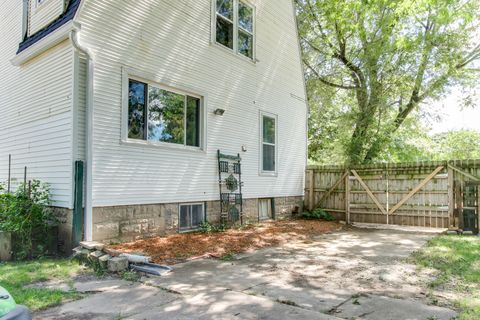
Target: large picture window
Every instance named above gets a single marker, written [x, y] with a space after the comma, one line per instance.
[234, 26]
[159, 115]
[268, 143]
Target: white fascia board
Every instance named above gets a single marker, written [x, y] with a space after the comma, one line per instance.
[46, 43]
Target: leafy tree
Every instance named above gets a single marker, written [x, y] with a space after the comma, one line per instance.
[463, 144]
[383, 59]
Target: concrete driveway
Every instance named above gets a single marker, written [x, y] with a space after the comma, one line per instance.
[354, 274]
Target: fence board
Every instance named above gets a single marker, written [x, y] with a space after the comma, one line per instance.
[415, 194]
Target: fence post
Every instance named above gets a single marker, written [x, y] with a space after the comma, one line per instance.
[311, 190]
[347, 197]
[451, 198]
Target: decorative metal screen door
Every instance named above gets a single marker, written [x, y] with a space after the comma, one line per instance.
[230, 185]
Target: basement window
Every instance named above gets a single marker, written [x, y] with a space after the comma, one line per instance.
[158, 114]
[191, 217]
[265, 209]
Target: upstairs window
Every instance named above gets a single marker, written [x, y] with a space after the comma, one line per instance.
[234, 26]
[156, 114]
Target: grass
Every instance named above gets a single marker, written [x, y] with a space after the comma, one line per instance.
[457, 258]
[14, 276]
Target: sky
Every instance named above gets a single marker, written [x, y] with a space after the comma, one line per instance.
[452, 116]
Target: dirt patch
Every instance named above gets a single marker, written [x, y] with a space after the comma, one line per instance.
[181, 247]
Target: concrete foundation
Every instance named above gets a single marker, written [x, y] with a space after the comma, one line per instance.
[128, 223]
[5, 246]
[65, 229]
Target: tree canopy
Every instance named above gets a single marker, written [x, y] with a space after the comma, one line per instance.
[371, 64]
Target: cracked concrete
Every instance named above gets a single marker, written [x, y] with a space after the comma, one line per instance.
[355, 274]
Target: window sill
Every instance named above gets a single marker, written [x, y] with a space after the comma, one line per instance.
[268, 174]
[162, 145]
[189, 230]
[233, 53]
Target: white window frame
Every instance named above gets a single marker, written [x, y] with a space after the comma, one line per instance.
[275, 117]
[136, 75]
[180, 229]
[39, 3]
[235, 30]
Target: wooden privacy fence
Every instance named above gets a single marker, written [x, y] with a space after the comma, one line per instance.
[427, 194]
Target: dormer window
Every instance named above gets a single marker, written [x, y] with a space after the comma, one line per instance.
[234, 26]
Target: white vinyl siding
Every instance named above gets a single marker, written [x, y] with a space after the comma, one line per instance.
[36, 110]
[179, 54]
[42, 14]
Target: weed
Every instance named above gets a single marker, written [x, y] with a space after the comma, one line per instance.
[130, 276]
[457, 259]
[228, 257]
[318, 214]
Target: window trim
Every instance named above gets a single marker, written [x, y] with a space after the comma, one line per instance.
[236, 28]
[131, 74]
[180, 205]
[261, 143]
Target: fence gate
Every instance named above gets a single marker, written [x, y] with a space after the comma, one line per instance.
[415, 194]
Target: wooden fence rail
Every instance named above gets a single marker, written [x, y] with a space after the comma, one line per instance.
[427, 194]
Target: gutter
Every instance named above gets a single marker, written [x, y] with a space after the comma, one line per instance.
[88, 221]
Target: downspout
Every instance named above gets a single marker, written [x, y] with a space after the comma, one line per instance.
[88, 221]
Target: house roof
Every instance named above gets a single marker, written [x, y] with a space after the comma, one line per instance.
[65, 17]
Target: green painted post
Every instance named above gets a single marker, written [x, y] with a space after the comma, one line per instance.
[77, 225]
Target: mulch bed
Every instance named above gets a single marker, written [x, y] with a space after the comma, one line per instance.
[182, 247]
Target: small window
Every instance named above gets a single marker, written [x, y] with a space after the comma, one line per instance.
[191, 216]
[156, 114]
[234, 26]
[265, 209]
[268, 143]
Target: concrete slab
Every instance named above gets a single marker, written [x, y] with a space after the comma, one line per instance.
[304, 279]
[228, 305]
[100, 285]
[117, 303]
[208, 275]
[373, 307]
[306, 297]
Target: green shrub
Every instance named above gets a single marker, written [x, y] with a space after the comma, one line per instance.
[318, 214]
[207, 227]
[27, 215]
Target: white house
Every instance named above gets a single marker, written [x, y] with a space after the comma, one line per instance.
[145, 93]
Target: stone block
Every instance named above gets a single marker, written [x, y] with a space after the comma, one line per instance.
[81, 253]
[103, 260]
[92, 245]
[117, 264]
[95, 255]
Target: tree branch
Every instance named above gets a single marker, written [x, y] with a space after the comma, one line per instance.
[327, 82]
